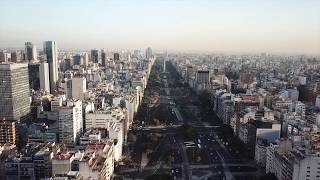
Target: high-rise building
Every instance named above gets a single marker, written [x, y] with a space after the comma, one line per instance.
[70, 122]
[30, 51]
[77, 59]
[8, 132]
[5, 56]
[14, 92]
[16, 56]
[39, 76]
[85, 59]
[203, 77]
[51, 51]
[103, 58]
[317, 104]
[149, 53]
[116, 56]
[79, 87]
[95, 56]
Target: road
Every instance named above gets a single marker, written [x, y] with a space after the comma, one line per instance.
[222, 161]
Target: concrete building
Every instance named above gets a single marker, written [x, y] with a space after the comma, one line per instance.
[30, 52]
[70, 122]
[85, 59]
[300, 109]
[287, 161]
[149, 53]
[203, 77]
[317, 103]
[5, 57]
[77, 59]
[97, 161]
[116, 56]
[16, 56]
[8, 132]
[95, 56]
[113, 120]
[39, 76]
[103, 58]
[79, 87]
[14, 92]
[62, 162]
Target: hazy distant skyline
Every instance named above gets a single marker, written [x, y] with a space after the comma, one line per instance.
[276, 26]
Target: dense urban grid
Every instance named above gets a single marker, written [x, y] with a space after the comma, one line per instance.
[132, 114]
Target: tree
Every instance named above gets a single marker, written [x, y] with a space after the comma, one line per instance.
[187, 132]
[164, 176]
[126, 160]
[156, 121]
[132, 138]
[269, 176]
[205, 99]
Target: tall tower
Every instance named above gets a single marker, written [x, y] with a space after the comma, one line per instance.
[103, 58]
[116, 56]
[149, 53]
[51, 50]
[95, 56]
[30, 52]
[14, 92]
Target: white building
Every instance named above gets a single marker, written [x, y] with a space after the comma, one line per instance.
[300, 109]
[61, 163]
[44, 77]
[79, 87]
[70, 122]
[112, 119]
[97, 161]
[318, 102]
[292, 162]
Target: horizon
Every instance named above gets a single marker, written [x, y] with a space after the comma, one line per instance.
[286, 27]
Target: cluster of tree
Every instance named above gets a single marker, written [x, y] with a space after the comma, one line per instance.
[164, 176]
[205, 100]
[187, 132]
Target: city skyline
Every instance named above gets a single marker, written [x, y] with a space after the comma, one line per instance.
[205, 26]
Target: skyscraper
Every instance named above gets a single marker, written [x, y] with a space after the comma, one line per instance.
[16, 56]
[103, 58]
[116, 56]
[51, 51]
[85, 59]
[149, 53]
[77, 59]
[39, 76]
[4, 56]
[95, 56]
[30, 51]
[8, 132]
[14, 92]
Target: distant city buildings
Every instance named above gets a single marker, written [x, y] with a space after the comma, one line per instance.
[270, 102]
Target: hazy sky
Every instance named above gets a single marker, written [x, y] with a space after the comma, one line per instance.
[279, 26]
